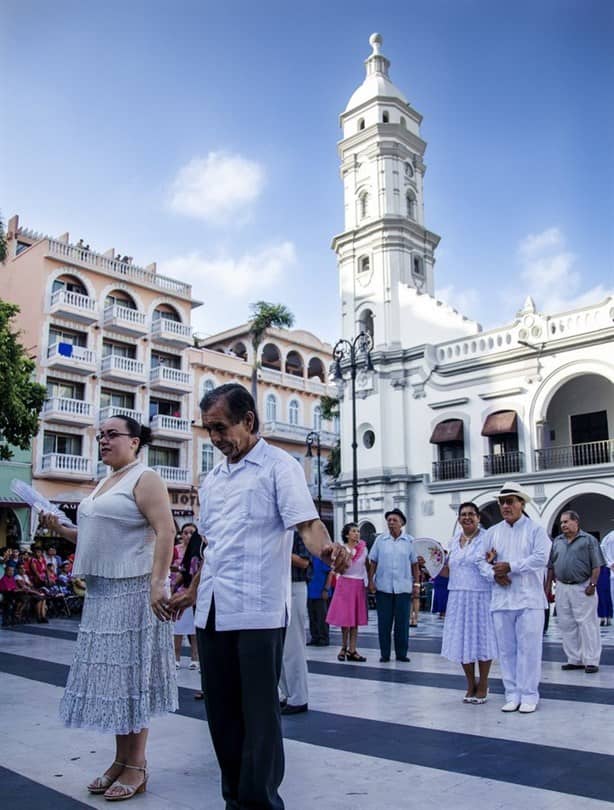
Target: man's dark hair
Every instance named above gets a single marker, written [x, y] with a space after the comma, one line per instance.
[573, 515]
[239, 402]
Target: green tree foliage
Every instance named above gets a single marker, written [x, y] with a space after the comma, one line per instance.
[2, 241]
[330, 409]
[265, 315]
[21, 399]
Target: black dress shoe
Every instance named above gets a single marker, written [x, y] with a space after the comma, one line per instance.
[283, 703]
[383, 660]
[403, 658]
[567, 667]
[290, 709]
[591, 669]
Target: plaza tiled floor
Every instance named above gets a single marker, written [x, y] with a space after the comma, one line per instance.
[376, 736]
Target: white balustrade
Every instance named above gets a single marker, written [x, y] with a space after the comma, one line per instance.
[115, 362]
[72, 465]
[170, 375]
[115, 312]
[64, 405]
[109, 411]
[170, 423]
[77, 354]
[173, 475]
[162, 326]
[73, 299]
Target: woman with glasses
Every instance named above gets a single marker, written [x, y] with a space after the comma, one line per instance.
[468, 632]
[123, 671]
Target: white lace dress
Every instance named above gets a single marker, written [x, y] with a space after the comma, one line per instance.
[123, 671]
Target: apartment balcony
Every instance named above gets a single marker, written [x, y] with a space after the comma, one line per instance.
[116, 368]
[175, 476]
[58, 465]
[504, 463]
[285, 432]
[73, 305]
[74, 359]
[125, 320]
[109, 411]
[575, 455]
[68, 411]
[164, 378]
[101, 470]
[171, 427]
[313, 384]
[172, 333]
[451, 469]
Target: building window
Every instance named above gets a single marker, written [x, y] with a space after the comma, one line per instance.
[317, 418]
[293, 410]
[206, 458]
[163, 359]
[365, 322]
[163, 457]
[207, 387]
[364, 205]
[418, 266]
[271, 408]
[116, 399]
[62, 443]
[57, 334]
[167, 312]
[368, 439]
[70, 284]
[164, 407]
[385, 117]
[64, 389]
[118, 349]
[410, 203]
[364, 264]
[361, 123]
[120, 299]
[271, 357]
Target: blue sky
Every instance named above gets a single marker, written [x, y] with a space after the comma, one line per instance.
[203, 136]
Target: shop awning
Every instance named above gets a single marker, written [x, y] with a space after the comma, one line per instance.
[449, 431]
[500, 422]
[12, 501]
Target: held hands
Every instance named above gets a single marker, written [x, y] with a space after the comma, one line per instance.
[49, 521]
[336, 556]
[180, 601]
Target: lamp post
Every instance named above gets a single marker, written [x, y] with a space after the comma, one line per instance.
[314, 436]
[352, 354]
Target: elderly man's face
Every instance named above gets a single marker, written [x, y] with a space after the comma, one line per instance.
[511, 508]
[234, 441]
[569, 526]
[395, 525]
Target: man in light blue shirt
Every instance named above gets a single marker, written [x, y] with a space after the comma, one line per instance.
[393, 576]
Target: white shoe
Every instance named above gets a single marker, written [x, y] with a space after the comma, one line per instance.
[177, 665]
[527, 708]
[193, 665]
[510, 706]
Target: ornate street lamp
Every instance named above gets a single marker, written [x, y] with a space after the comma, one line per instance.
[353, 354]
[314, 436]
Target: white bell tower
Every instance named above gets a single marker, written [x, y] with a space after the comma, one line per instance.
[385, 245]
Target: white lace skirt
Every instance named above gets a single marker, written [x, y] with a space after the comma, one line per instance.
[123, 672]
[468, 632]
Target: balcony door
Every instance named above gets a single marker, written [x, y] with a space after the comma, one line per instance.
[589, 437]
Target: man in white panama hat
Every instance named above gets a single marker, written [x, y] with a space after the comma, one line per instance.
[519, 552]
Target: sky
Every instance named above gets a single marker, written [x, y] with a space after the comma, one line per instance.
[203, 136]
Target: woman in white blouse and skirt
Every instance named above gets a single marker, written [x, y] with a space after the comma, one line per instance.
[468, 633]
[123, 670]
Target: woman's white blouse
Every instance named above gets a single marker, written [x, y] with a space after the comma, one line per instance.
[463, 562]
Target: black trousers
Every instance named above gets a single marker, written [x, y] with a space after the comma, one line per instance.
[393, 608]
[317, 610]
[241, 670]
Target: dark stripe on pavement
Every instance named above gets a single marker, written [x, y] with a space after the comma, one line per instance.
[578, 773]
[17, 791]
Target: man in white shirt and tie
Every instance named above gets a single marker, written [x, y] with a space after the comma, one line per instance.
[250, 503]
[519, 552]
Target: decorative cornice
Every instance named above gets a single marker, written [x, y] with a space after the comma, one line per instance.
[448, 403]
[508, 392]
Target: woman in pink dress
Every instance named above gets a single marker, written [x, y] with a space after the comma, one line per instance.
[348, 607]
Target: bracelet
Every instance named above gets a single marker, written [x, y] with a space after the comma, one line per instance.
[592, 585]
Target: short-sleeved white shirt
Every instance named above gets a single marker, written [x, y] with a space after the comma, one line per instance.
[247, 513]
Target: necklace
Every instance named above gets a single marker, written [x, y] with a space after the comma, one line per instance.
[123, 469]
[467, 538]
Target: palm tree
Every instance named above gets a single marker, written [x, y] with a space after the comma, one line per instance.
[265, 315]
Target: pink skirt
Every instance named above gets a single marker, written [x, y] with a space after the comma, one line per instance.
[348, 607]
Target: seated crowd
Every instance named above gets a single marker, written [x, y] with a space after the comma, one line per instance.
[32, 583]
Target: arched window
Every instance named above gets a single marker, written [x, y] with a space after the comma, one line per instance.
[271, 408]
[361, 123]
[119, 298]
[410, 202]
[293, 409]
[364, 205]
[167, 312]
[418, 266]
[364, 264]
[69, 283]
[206, 458]
[366, 322]
[317, 418]
[207, 386]
[271, 357]
[240, 350]
[385, 117]
[294, 364]
[316, 369]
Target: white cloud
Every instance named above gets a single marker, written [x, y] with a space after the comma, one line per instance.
[550, 274]
[217, 188]
[466, 300]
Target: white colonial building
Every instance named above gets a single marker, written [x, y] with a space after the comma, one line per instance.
[450, 412]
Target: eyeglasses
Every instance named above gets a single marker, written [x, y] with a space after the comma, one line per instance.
[111, 434]
[508, 501]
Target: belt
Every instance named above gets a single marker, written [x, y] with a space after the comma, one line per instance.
[573, 582]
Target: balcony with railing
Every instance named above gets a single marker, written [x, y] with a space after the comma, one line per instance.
[74, 359]
[65, 466]
[81, 257]
[283, 431]
[76, 306]
[125, 320]
[170, 426]
[450, 469]
[313, 384]
[117, 368]
[175, 476]
[68, 411]
[172, 333]
[575, 455]
[504, 463]
[110, 410]
[165, 378]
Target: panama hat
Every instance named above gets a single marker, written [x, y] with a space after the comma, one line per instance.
[510, 488]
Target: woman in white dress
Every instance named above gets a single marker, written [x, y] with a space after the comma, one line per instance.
[468, 633]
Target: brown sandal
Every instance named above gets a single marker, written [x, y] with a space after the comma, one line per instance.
[354, 656]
